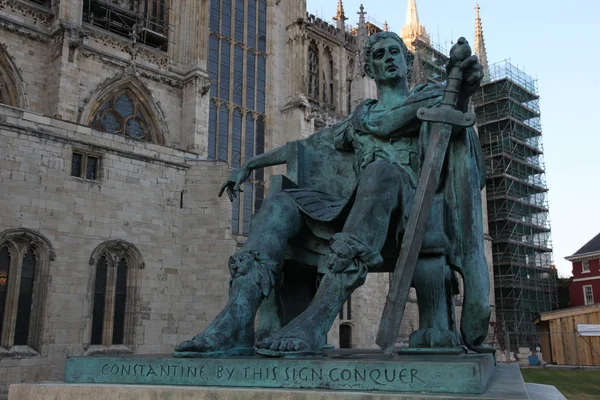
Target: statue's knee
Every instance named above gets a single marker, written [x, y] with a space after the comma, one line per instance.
[380, 174]
[278, 201]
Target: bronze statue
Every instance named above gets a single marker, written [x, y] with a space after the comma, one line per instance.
[345, 215]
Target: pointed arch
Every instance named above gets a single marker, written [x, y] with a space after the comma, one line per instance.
[12, 85]
[313, 71]
[124, 105]
[30, 254]
[117, 276]
[328, 76]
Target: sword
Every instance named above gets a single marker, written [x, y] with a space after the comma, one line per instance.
[443, 119]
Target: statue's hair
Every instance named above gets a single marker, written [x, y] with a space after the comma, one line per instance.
[368, 53]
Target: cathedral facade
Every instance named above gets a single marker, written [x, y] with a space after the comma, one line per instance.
[119, 121]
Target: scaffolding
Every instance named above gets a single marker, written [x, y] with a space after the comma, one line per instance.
[143, 21]
[508, 121]
[432, 61]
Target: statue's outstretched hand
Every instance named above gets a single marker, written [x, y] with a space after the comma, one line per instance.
[234, 182]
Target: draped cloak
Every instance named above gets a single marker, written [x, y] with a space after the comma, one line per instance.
[463, 176]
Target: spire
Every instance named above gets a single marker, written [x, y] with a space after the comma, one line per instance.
[479, 44]
[362, 28]
[340, 17]
[412, 15]
[412, 28]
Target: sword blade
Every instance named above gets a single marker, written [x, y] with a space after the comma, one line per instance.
[412, 240]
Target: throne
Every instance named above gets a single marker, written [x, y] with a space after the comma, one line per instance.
[311, 163]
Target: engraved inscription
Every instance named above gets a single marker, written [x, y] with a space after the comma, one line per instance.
[221, 374]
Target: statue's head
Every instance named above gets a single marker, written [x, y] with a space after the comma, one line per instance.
[385, 58]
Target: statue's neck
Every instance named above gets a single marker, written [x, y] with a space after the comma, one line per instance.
[389, 96]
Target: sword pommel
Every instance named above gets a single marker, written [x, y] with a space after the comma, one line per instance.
[458, 53]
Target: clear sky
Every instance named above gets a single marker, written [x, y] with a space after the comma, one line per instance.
[558, 42]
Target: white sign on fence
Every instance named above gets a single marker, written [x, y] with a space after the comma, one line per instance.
[588, 330]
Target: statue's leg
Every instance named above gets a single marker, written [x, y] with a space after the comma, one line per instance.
[432, 282]
[254, 271]
[352, 253]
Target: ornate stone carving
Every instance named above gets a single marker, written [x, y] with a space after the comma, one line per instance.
[38, 14]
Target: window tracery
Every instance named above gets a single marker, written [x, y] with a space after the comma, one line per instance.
[122, 115]
[24, 260]
[313, 72]
[118, 266]
[237, 64]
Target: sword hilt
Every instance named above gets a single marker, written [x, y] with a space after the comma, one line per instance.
[458, 53]
[447, 112]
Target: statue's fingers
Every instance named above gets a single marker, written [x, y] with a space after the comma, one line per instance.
[230, 193]
[476, 74]
[468, 62]
[223, 187]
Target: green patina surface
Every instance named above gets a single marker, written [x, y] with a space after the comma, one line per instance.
[434, 374]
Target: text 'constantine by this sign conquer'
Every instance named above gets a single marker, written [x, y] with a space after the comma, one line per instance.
[394, 374]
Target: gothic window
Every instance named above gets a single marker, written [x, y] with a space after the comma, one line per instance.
[11, 88]
[116, 273]
[345, 336]
[24, 261]
[146, 21]
[25, 298]
[237, 68]
[327, 77]
[4, 271]
[313, 72]
[123, 115]
[85, 166]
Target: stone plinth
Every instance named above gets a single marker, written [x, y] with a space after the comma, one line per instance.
[506, 384]
[362, 371]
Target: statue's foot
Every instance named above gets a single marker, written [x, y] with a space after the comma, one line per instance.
[302, 336]
[224, 337]
[433, 338]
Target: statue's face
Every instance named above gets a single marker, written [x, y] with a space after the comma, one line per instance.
[388, 64]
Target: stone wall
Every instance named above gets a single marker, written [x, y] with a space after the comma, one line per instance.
[184, 240]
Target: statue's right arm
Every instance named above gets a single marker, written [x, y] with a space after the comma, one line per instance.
[237, 178]
[276, 156]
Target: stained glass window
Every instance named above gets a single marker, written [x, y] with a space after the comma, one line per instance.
[76, 164]
[227, 55]
[236, 161]
[120, 297]
[4, 271]
[313, 73]
[226, 18]
[25, 298]
[251, 25]
[345, 336]
[91, 168]
[224, 70]
[99, 300]
[262, 25]
[223, 133]
[215, 15]
[122, 115]
[213, 63]
[239, 20]
[261, 84]
[238, 75]
[250, 78]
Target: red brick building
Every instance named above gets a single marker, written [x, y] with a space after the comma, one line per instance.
[585, 287]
